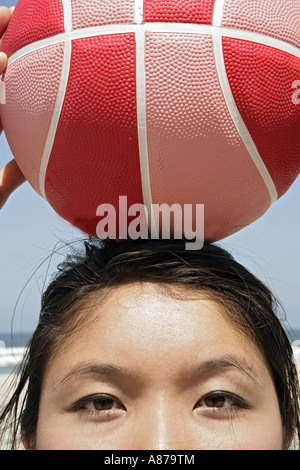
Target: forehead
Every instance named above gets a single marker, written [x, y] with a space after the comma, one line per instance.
[144, 324]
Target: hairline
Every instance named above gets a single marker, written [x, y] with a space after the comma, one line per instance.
[86, 310]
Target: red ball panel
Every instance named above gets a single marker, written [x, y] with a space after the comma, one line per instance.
[261, 79]
[96, 144]
[181, 11]
[30, 23]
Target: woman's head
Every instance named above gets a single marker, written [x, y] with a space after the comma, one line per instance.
[147, 345]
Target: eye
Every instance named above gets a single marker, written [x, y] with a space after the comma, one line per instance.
[100, 404]
[221, 402]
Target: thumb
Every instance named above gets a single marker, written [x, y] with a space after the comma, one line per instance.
[11, 178]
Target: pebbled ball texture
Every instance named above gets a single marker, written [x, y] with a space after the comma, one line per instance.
[164, 102]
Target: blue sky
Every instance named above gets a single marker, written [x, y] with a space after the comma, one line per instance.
[30, 229]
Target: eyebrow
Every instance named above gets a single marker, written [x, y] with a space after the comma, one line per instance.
[104, 370]
[210, 366]
[228, 361]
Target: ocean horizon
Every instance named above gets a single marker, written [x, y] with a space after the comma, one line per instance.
[13, 347]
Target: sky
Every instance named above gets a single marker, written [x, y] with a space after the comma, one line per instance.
[30, 230]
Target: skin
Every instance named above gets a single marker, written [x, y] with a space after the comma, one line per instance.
[11, 176]
[177, 354]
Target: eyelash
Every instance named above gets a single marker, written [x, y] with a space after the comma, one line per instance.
[237, 405]
[80, 404]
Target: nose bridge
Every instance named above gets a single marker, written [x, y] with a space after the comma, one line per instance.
[162, 426]
[159, 424]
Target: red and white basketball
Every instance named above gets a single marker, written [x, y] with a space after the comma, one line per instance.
[162, 101]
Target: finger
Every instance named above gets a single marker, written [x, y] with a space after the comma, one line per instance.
[5, 14]
[11, 178]
[3, 62]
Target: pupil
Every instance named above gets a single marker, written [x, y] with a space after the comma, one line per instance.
[215, 402]
[103, 404]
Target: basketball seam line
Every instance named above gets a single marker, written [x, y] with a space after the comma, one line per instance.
[238, 120]
[218, 12]
[67, 9]
[215, 31]
[141, 114]
[64, 77]
[138, 11]
[142, 124]
[232, 106]
[160, 28]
